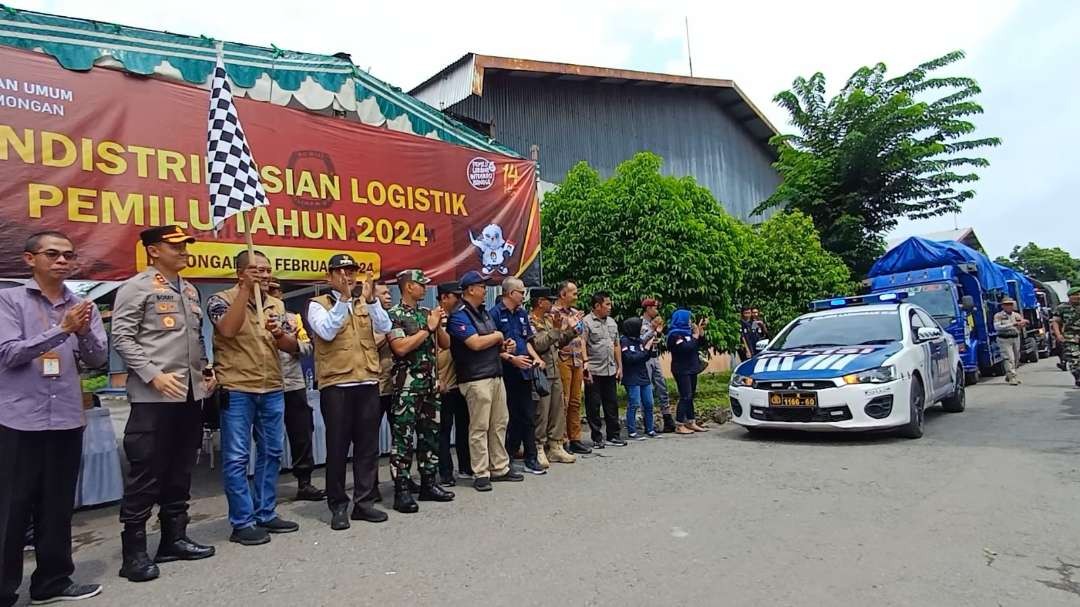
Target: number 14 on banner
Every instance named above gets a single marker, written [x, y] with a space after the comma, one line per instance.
[511, 177]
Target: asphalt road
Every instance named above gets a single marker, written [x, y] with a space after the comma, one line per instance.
[981, 511]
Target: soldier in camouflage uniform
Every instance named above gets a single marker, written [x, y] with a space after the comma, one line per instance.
[1067, 332]
[415, 415]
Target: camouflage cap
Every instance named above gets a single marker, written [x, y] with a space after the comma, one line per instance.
[414, 275]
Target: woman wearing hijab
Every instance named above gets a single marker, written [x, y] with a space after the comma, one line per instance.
[684, 342]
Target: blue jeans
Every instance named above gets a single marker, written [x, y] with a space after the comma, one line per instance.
[639, 396]
[261, 416]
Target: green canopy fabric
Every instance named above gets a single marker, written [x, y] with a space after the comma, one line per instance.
[317, 82]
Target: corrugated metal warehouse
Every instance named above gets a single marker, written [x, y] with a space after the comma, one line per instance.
[702, 127]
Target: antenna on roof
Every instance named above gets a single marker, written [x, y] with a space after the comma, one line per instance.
[689, 58]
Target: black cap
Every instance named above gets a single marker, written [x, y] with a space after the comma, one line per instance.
[342, 260]
[169, 234]
[449, 287]
[542, 293]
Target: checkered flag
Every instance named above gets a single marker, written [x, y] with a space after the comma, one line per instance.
[232, 174]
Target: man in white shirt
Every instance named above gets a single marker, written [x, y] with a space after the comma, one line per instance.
[344, 324]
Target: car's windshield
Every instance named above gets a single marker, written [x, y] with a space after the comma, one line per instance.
[870, 327]
[937, 299]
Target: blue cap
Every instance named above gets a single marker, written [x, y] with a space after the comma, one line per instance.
[472, 277]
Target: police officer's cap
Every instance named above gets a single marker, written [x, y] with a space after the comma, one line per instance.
[169, 234]
[342, 261]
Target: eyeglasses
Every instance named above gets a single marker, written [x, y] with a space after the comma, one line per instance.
[53, 254]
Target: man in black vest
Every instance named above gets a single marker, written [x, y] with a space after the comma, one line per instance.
[479, 350]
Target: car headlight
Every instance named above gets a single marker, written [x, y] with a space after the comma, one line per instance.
[879, 375]
[741, 381]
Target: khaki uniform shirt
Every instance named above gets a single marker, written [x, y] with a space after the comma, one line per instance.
[601, 339]
[157, 328]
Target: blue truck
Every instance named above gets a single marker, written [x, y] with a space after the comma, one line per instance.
[959, 286]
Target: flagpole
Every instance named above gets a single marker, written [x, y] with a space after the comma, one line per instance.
[247, 226]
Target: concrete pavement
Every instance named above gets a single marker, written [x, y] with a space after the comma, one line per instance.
[980, 511]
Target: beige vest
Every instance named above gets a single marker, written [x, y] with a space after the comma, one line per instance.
[352, 356]
[248, 362]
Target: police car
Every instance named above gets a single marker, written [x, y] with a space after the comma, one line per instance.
[870, 362]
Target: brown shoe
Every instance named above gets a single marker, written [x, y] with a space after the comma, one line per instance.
[541, 457]
[683, 429]
[556, 454]
[697, 428]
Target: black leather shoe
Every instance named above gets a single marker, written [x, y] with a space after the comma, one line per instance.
[403, 499]
[137, 566]
[279, 525]
[339, 517]
[430, 491]
[413, 487]
[175, 544]
[509, 477]
[369, 513]
[310, 493]
[579, 448]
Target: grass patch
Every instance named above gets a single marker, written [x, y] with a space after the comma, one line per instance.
[712, 395]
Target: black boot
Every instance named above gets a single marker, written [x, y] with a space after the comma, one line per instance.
[431, 491]
[176, 545]
[403, 499]
[137, 566]
[669, 424]
[413, 487]
[339, 517]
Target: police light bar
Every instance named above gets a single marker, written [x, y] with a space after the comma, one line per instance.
[857, 300]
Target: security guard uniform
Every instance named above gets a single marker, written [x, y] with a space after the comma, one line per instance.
[156, 329]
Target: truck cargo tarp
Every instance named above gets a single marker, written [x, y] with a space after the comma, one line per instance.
[921, 254]
[1025, 288]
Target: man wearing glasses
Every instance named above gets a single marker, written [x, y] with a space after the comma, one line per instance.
[347, 368]
[157, 331]
[44, 330]
[246, 365]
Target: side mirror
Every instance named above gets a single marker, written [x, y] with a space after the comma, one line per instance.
[762, 344]
[927, 334]
[967, 303]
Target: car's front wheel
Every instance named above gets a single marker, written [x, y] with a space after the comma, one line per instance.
[917, 404]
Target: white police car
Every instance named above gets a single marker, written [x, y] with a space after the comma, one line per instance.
[858, 363]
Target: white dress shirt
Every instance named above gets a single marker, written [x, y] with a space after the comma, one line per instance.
[327, 323]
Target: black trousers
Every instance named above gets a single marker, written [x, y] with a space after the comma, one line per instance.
[454, 413]
[299, 427]
[352, 417]
[520, 430]
[38, 475]
[160, 443]
[602, 393]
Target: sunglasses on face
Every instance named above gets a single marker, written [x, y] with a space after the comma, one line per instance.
[53, 254]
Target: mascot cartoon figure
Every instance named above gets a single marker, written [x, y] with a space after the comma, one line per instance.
[494, 250]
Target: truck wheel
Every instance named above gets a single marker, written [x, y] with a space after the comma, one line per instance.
[956, 402]
[972, 377]
[914, 427]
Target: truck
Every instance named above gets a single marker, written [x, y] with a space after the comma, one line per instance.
[959, 286]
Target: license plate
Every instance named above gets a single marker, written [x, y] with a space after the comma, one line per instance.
[792, 399]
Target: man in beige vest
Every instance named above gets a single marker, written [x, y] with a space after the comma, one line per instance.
[246, 365]
[347, 371]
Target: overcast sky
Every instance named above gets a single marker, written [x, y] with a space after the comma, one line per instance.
[1024, 54]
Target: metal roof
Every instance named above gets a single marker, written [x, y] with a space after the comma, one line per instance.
[465, 77]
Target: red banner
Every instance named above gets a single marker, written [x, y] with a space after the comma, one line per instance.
[102, 155]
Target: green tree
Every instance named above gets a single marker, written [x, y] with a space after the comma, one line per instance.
[641, 233]
[877, 151]
[787, 267]
[1052, 263]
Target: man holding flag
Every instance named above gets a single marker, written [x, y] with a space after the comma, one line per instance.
[250, 327]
